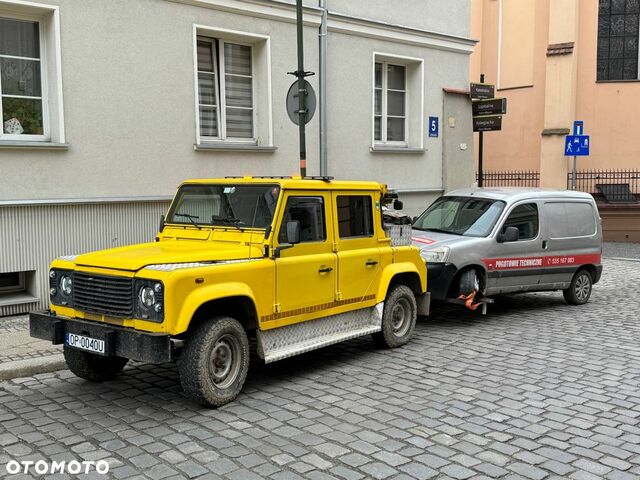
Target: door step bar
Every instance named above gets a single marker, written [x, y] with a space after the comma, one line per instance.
[283, 342]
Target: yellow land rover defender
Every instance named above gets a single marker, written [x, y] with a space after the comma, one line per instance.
[296, 263]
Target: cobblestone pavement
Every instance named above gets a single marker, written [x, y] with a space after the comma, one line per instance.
[622, 250]
[535, 390]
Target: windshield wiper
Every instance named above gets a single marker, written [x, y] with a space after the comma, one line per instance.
[191, 219]
[228, 220]
[439, 230]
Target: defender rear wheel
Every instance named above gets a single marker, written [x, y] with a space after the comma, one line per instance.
[579, 291]
[92, 367]
[398, 318]
[214, 362]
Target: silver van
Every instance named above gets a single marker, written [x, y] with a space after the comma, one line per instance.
[480, 242]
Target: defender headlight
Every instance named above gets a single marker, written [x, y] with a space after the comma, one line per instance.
[150, 300]
[66, 285]
[61, 287]
[435, 255]
[147, 297]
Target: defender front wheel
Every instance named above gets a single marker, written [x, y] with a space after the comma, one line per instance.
[579, 291]
[398, 318]
[92, 367]
[214, 363]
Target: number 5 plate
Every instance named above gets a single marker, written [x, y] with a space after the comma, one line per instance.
[86, 343]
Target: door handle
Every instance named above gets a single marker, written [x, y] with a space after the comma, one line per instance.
[371, 263]
[325, 269]
[544, 244]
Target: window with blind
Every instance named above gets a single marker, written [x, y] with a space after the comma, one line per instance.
[389, 115]
[618, 32]
[225, 90]
[21, 105]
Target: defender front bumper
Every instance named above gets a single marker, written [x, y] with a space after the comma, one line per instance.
[119, 341]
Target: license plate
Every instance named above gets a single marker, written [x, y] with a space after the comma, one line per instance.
[86, 343]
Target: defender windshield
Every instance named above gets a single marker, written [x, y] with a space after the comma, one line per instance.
[468, 216]
[229, 206]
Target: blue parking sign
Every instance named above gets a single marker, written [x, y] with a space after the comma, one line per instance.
[576, 145]
[433, 126]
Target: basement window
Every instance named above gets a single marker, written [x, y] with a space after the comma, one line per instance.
[12, 282]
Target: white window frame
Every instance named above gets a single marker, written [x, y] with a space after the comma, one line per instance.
[48, 18]
[384, 114]
[44, 99]
[414, 101]
[239, 38]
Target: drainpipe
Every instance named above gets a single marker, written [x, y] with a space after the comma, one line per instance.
[322, 80]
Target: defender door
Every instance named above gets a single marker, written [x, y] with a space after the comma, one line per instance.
[305, 273]
[359, 259]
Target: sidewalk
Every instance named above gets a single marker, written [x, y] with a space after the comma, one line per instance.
[23, 356]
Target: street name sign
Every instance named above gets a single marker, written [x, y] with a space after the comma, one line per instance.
[576, 145]
[482, 91]
[491, 106]
[487, 123]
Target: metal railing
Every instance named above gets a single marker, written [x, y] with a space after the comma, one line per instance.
[510, 178]
[608, 185]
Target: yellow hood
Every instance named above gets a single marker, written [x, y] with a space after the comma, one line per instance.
[135, 257]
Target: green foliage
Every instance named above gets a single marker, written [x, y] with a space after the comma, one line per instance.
[27, 111]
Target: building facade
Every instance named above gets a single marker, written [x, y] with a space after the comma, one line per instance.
[557, 61]
[108, 105]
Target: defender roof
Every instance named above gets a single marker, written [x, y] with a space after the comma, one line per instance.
[293, 182]
[514, 194]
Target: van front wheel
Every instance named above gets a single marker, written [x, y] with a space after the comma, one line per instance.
[214, 363]
[579, 291]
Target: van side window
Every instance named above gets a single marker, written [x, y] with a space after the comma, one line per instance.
[355, 216]
[525, 219]
[309, 211]
[570, 219]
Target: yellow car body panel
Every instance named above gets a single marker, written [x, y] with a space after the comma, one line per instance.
[201, 264]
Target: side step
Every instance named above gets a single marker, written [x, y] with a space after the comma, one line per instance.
[284, 342]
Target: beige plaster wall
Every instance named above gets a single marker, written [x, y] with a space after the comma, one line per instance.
[609, 109]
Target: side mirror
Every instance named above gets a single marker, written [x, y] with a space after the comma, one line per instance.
[293, 232]
[398, 205]
[161, 228]
[510, 234]
[413, 219]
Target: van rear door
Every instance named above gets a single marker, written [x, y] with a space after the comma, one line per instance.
[571, 239]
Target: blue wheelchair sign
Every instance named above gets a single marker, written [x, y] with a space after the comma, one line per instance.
[576, 146]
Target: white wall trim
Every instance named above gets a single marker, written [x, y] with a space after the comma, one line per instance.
[341, 23]
[499, 72]
[83, 201]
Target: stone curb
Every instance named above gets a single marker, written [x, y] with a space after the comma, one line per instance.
[31, 366]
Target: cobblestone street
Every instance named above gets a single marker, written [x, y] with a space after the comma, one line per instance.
[537, 389]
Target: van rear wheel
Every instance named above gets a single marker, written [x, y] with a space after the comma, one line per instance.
[214, 362]
[579, 291]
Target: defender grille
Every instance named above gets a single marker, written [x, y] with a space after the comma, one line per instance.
[102, 294]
